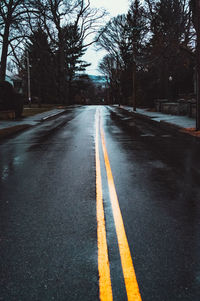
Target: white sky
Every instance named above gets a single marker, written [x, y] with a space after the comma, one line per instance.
[114, 7]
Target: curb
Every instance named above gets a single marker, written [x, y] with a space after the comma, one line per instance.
[8, 132]
[173, 128]
[51, 116]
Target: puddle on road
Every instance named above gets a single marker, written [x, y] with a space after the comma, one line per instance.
[158, 164]
[166, 136]
[5, 173]
[147, 135]
[7, 169]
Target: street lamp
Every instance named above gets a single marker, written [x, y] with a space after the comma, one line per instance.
[170, 86]
[170, 78]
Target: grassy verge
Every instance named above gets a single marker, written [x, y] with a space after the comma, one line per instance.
[191, 131]
[34, 109]
[27, 111]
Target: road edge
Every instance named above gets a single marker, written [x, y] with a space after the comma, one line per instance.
[172, 128]
[10, 131]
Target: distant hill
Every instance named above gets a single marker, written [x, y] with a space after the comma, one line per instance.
[98, 79]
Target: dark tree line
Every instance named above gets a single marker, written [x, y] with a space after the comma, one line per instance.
[149, 49]
[54, 34]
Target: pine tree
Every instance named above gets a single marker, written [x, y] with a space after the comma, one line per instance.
[42, 60]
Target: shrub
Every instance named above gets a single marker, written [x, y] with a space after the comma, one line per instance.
[9, 99]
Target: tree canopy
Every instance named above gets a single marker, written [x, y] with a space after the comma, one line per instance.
[156, 39]
[66, 26]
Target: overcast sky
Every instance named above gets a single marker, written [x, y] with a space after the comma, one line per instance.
[114, 7]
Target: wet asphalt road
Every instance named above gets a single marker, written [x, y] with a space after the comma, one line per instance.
[48, 227]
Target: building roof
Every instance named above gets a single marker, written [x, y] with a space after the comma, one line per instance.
[9, 76]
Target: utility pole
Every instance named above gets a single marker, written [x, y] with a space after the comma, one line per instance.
[29, 78]
[134, 77]
[197, 26]
[134, 85]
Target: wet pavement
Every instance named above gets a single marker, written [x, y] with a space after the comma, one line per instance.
[158, 179]
[48, 227]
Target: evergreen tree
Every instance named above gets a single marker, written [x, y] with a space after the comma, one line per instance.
[42, 60]
[74, 50]
[169, 47]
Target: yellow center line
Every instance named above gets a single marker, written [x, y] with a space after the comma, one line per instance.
[131, 284]
[105, 288]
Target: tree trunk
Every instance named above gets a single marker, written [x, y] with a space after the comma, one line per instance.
[198, 64]
[61, 68]
[4, 53]
[61, 75]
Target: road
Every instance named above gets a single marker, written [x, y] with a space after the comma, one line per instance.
[97, 205]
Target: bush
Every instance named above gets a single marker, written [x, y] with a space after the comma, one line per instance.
[18, 104]
[9, 99]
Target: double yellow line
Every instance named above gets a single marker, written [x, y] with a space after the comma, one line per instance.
[105, 286]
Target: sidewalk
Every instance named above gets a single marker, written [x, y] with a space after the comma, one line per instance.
[183, 124]
[10, 127]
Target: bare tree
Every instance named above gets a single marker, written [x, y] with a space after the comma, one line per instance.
[55, 16]
[14, 15]
[122, 37]
[114, 38]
